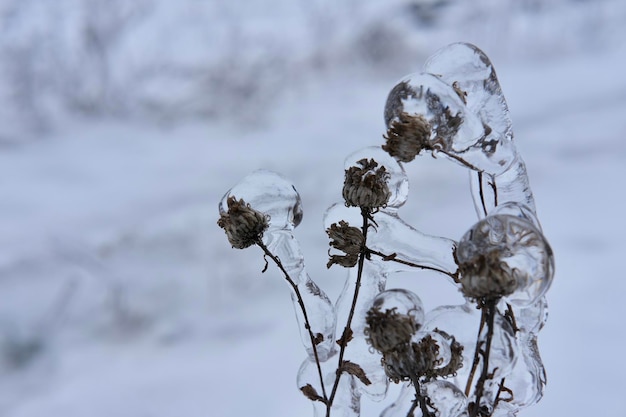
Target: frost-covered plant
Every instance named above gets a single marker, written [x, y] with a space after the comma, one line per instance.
[476, 359]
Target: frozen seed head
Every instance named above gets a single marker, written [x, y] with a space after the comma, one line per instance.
[366, 186]
[398, 364]
[487, 276]
[243, 225]
[346, 239]
[407, 136]
[389, 330]
[409, 361]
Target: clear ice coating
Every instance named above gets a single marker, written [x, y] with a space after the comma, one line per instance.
[273, 195]
[503, 264]
[507, 248]
[459, 94]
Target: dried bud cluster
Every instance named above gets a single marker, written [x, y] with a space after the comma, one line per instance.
[391, 334]
[487, 276]
[243, 225]
[407, 136]
[347, 239]
[366, 186]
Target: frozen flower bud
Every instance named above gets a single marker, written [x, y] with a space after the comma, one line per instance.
[387, 331]
[487, 276]
[425, 356]
[412, 360]
[243, 225]
[407, 136]
[398, 364]
[346, 239]
[366, 186]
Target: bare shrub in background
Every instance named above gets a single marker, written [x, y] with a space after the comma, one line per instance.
[173, 61]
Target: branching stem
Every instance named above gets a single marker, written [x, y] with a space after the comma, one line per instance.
[307, 324]
[366, 215]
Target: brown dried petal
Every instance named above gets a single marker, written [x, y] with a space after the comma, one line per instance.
[356, 371]
[311, 393]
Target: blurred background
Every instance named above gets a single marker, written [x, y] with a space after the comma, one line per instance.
[123, 123]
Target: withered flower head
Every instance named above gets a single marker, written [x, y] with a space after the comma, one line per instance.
[407, 136]
[412, 360]
[243, 225]
[347, 239]
[366, 186]
[387, 331]
[488, 276]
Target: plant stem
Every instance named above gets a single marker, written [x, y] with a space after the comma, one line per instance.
[307, 324]
[365, 214]
[481, 192]
[392, 258]
[489, 306]
[470, 378]
[420, 401]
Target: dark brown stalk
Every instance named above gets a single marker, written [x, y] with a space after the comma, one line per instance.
[490, 308]
[481, 192]
[344, 340]
[420, 401]
[470, 378]
[307, 324]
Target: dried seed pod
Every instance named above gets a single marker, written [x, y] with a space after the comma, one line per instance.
[505, 256]
[407, 136]
[366, 186]
[243, 225]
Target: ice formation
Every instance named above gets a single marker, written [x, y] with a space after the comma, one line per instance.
[480, 358]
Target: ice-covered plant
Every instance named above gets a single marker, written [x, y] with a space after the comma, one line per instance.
[476, 359]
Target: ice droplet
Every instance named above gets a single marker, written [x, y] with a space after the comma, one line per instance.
[402, 302]
[454, 130]
[501, 173]
[446, 397]
[269, 193]
[461, 321]
[501, 249]
[471, 74]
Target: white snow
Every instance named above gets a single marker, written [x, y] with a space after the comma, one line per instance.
[117, 280]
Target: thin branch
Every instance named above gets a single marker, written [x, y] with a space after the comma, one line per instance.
[393, 258]
[481, 192]
[307, 324]
[470, 378]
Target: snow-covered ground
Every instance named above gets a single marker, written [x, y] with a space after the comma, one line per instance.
[120, 296]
